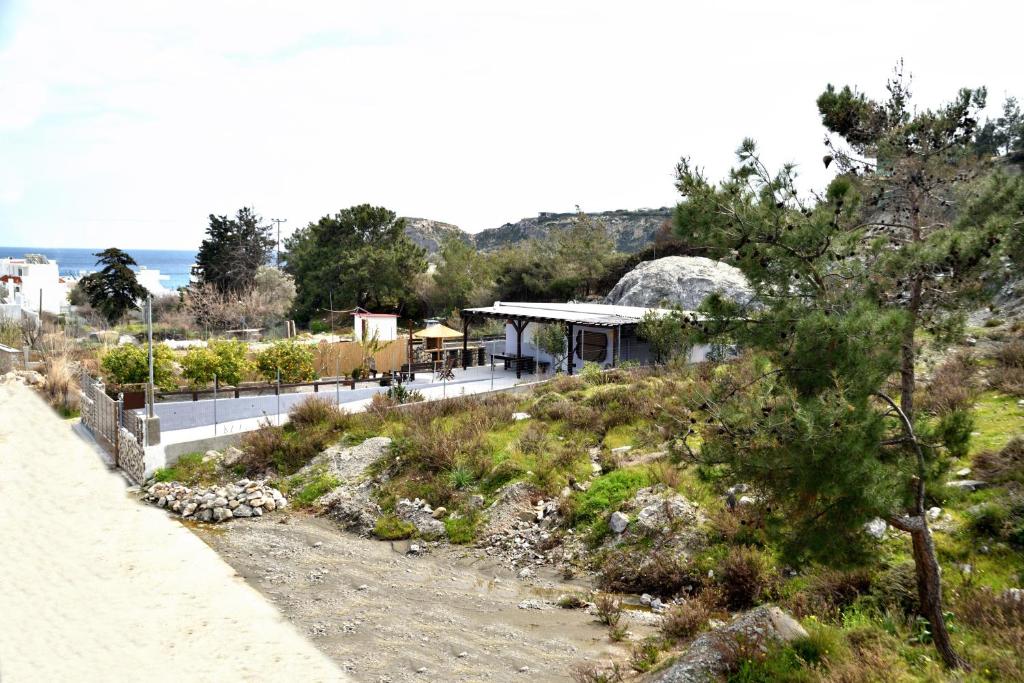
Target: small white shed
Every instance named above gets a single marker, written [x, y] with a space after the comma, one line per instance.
[367, 325]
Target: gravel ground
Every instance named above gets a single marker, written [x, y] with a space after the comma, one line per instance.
[385, 615]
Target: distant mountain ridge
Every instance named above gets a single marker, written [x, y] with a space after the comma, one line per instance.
[631, 230]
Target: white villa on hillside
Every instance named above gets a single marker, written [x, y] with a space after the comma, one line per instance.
[600, 333]
[30, 280]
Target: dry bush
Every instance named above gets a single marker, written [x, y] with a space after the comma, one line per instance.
[61, 383]
[1000, 619]
[658, 572]
[828, 591]
[686, 619]
[953, 385]
[1002, 466]
[667, 473]
[745, 577]
[609, 610]
[317, 411]
[1008, 375]
[594, 673]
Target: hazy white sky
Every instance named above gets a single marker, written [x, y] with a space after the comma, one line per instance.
[127, 122]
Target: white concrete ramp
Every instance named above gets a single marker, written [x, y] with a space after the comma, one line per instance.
[97, 587]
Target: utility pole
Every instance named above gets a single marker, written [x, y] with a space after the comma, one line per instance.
[149, 334]
[278, 221]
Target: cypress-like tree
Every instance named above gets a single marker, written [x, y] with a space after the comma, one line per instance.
[844, 282]
[234, 249]
[113, 290]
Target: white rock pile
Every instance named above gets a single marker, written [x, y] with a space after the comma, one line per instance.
[244, 498]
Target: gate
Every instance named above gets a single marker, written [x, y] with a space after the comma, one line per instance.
[120, 433]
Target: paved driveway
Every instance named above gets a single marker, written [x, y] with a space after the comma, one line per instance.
[95, 586]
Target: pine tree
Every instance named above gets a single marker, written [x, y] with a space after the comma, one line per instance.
[844, 282]
[233, 251]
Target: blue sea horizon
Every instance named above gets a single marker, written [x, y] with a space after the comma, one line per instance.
[175, 263]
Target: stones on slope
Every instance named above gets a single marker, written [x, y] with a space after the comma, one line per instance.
[518, 526]
[419, 513]
[967, 484]
[348, 463]
[876, 528]
[679, 280]
[243, 498]
[707, 657]
[351, 503]
[618, 522]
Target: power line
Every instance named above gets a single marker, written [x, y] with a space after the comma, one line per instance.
[279, 221]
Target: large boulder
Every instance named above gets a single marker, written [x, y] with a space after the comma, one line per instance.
[679, 280]
[707, 658]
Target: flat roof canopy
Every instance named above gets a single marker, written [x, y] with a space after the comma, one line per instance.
[597, 315]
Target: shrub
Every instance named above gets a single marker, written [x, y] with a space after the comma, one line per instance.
[744, 576]
[1008, 376]
[609, 610]
[829, 591]
[988, 519]
[659, 572]
[1003, 466]
[953, 385]
[591, 373]
[644, 655]
[61, 387]
[606, 493]
[261, 447]
[895, 587]
[391, 528]
[227, 360]
[572, 601]
[129, 364]
[686, 619]
[295, 362]
[399, 394]
[317, 411]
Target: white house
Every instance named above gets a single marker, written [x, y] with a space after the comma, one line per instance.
[33, 281]
[367, 325]
[600, 333]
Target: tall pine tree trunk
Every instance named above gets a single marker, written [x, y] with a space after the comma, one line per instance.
[929, 591]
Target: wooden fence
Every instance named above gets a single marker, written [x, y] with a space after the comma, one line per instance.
[343, 357]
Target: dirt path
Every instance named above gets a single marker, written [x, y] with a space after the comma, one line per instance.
[385, 615]
[95, 586]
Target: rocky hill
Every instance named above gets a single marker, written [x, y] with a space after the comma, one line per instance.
[631, 230]
[429, 233]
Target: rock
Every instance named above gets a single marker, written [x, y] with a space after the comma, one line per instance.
[242, 510]
[189, 509]
[439, 513]
[934, 513]
[525, 573]
[595, 467]
[531, 604]
[660, 515]
[318, 544]
[347, 464]
[476, 502]
[213, 456]
[232, 456]
[353, 507]
[205, 515]
[966, 484]
[414, 549]
[679, 280]
[876, 528]
[963, 472]
[618, 522]
[220, 514]
[658, 606]
[417, 513]
[520, 416]
[707, 656]
[462, 655]
[621, 450]
[746, 501]
[257, 512]
[645, 600]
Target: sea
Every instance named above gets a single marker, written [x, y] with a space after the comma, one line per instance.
[176, 264]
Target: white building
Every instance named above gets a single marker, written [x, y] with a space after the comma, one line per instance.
[33, 280]
[367, 325]
[599, 333]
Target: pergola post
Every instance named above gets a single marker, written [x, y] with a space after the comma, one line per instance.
[616, 333]
[569, 358]
[465, 343]
[519, 325]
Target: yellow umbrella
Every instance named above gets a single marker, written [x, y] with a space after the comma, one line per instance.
[436, 334]
[437, 331]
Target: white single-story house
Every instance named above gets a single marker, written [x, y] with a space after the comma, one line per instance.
[383, 326]
[600, 333]
[33, 283]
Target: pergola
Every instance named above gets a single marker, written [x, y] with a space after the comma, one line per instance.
[520, 314]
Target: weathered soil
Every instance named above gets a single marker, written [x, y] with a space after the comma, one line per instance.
[383, 615]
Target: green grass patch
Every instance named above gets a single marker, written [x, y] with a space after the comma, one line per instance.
[391, 528]
[189, 470]
[315, 487]
[997, 419]
[461, 529]
[608, 492]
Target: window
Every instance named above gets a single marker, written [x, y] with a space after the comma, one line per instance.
[591, 346]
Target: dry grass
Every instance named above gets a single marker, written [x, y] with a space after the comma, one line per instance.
[953, 385]
[745, 577]
[688, 618]
[1008, 375]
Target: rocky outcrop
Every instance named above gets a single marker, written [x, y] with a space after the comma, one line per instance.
[244, 498]
[430, 234]
[351, 503]
[679, 280]
[630, 230]
[709, 656]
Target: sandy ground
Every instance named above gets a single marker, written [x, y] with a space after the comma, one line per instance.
[96, 586]
[386, 616]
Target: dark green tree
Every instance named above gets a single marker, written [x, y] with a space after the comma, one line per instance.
[844, 283]
[361, 254]
[114, 289]
[234, 250]
[665, 333]
[463, 277]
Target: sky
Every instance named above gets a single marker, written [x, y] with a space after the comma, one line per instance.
[127, 122]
